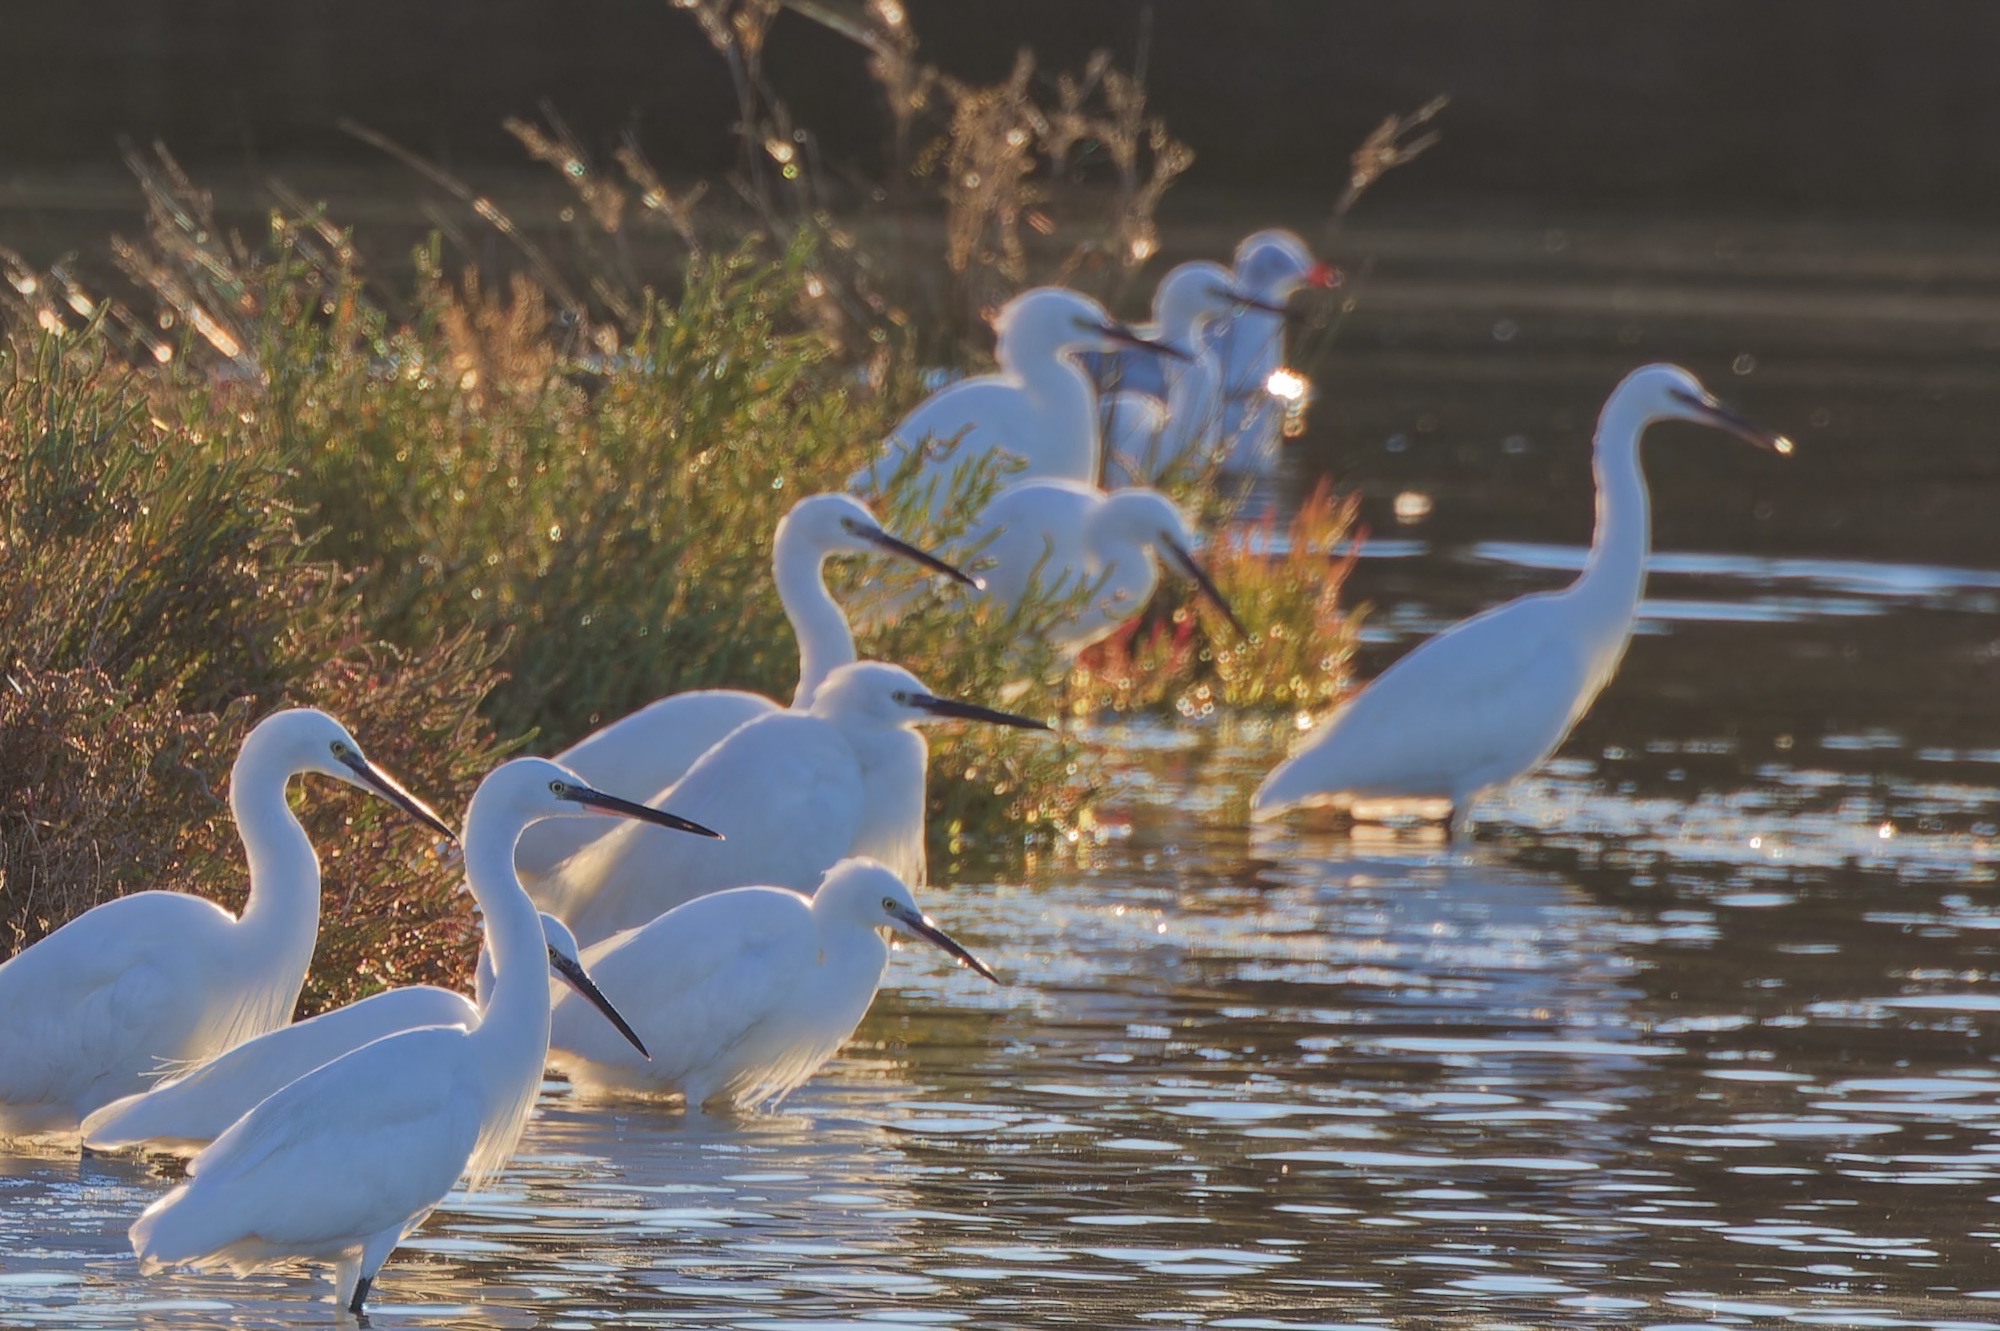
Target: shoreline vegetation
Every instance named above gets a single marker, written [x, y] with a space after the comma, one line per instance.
[492, 507]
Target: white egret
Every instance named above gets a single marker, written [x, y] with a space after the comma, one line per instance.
[1489, 699]
[1140, 443]
[1039, 407]
[93, 1011]
[1246, 344]
[341, 1164]
[193, 1109]
[654, 746]
[1250, 344]
[741, 995]
[1061, 537]
[796, 791]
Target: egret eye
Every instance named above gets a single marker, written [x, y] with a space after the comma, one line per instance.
[341, 750]
[888, 905]
[900, 696]
[559, 790]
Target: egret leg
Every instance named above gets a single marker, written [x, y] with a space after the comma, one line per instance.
[1459, 828]
[375, 1252]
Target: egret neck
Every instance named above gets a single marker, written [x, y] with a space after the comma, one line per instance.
[1615, 574]
[512, 1037]
[825, 641]
[1060, 394]
[279, 925]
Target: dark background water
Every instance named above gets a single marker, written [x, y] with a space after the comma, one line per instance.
[1814, 107]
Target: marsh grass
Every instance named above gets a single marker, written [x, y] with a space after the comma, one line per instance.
[156, 597]
[478, 511]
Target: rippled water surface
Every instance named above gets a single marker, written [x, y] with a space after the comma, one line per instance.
[1697, 1033]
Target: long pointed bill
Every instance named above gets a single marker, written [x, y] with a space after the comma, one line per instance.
[1250, 302]
[390, 789]
[600, 802]
[972, 711]
[1203, 583]
[882, 540]
[1728, 418]
[922, 927]
[573, 974]
[1120, 333]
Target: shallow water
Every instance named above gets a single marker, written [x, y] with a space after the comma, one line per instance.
[1696, 1034]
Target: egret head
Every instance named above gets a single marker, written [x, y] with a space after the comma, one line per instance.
[563, 951]
[1147, 518]
[566, 965]
[530, 789]
[305, 739]
[562, 943]
[1194, 295]
[1669, 393]
[842, 524]
[877, 693]
[1271, 265]
[1056, 320]
[867, 893]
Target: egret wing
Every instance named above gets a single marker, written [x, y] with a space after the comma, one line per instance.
[785, 790]
[1036, 532]
[374, 1138]
[196, 1108]
[1494, 694]
[695, 982]
[637, 757]
[104, 1003]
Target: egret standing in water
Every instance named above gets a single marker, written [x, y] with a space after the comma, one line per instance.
[1250, 344]
[1489, 700]
[741, 995]
[1039, 407]
[1141, 445]
[344, 1162]
[94, 1011]
[796, 791]
[1246, 345]
[654, 746]
[1060, 537]
[193, 1109]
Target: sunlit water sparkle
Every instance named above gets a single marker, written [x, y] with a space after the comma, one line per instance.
[1697, 1034]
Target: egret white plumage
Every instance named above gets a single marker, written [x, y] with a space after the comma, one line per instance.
[1247, 344]
[1039, 407]
[1060, 537]
[193, 1109]
[1250, 344]
[741, 995]
[654, 746]
[341, 1164]
[1490, 699]
[95, 1010]
[1140, 443]
[796, 791]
